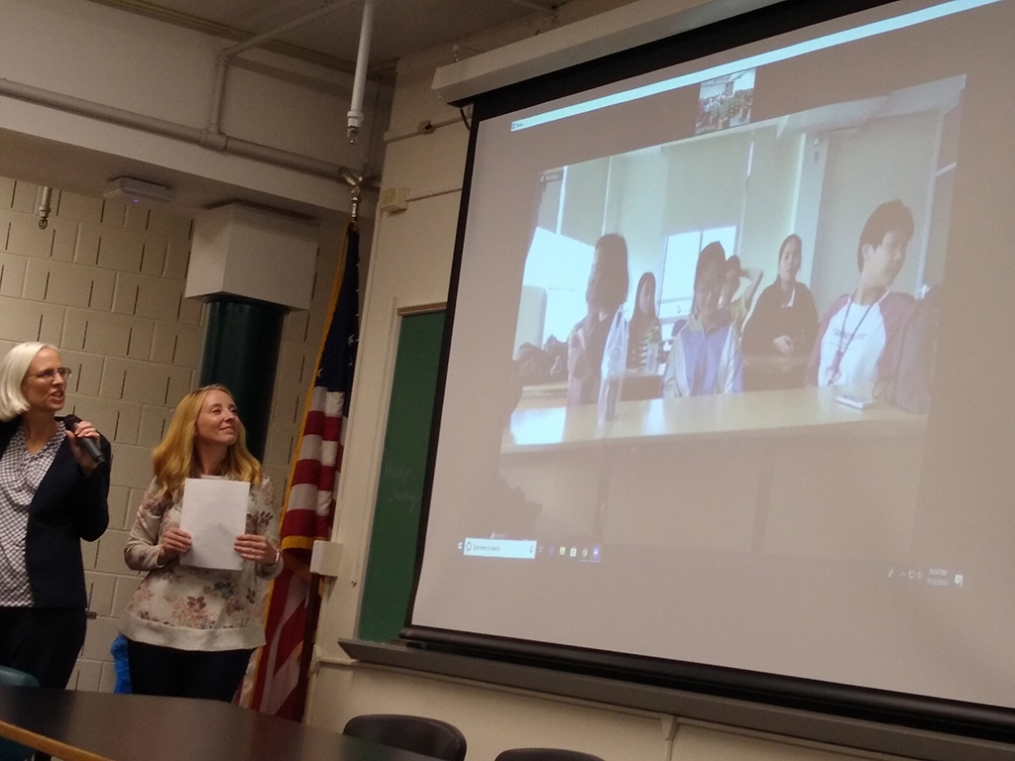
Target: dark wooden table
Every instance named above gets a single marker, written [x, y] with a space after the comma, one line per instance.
[97, 726]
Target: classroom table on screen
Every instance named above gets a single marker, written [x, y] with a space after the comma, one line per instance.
[747, 471]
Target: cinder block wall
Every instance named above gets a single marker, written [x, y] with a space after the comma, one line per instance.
[104, 283]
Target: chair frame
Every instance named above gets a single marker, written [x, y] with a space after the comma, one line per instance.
[383, 728]
[544, 754]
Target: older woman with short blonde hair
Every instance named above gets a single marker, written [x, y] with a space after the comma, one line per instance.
[52, 496]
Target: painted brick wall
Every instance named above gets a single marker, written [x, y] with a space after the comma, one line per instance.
[104, 283]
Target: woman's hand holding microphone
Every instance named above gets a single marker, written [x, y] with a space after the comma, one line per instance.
[84, 443]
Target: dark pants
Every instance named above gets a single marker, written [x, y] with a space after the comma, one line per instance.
[156, 670]
[43, 642]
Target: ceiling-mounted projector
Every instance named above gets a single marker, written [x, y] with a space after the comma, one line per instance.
[133, 191]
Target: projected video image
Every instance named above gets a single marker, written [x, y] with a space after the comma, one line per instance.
[729, 369]
[740, 293]
[725, 102]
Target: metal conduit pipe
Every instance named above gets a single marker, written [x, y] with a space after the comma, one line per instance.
[226, 55]
[355, 115]
[45, 206]
[535, 6]
[269, 155]
[193, 135]
[98, 111]
[288, 26]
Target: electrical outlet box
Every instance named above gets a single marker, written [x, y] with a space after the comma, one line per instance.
[325, 557]
[393, 200]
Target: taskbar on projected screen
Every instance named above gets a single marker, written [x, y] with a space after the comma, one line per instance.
[938, 576]
[529, 549]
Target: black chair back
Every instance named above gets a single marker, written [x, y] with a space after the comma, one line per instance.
[545, 754]
[10, 750]
[429, 737]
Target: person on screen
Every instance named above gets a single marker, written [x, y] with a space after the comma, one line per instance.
[190, 631]
[736, 308]
[705, 357]
[785, 320]
[645, 333]
[53, 496]
[603, 324]
[857, 326]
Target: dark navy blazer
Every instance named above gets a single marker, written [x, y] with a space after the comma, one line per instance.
[68, 506]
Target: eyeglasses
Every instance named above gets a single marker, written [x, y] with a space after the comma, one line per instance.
[50, 373]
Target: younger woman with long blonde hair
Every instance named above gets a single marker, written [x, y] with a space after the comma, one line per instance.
[190, 631]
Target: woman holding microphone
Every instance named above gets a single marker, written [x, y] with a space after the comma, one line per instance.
[52, 495]
[190, 631]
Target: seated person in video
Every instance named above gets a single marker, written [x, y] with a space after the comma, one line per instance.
[736, 308]
[733, 308]
[785, 321]
[645, 333]
[858, 325]
[705, 357]
[603, 324]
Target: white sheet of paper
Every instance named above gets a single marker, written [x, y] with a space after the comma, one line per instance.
[214, 513]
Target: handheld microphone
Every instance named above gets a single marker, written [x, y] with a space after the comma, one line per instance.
[89, 445]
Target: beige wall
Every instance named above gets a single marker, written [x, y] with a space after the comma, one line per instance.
[104, 284]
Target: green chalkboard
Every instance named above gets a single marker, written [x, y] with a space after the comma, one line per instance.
[390, 565]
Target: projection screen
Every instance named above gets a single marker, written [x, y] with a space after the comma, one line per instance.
[730, 373]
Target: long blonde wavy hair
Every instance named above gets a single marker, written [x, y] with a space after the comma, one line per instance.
[173, 459]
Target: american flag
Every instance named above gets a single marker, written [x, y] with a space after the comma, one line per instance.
[310, 501]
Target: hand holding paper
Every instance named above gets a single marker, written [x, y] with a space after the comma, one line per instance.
[255, 547]
[214, 513]
[174, 542]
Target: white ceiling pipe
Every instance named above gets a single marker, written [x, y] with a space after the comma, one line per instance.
[99, 111]
[533, 5]
[45, 206]
[355, 115]
[119, 116]
[226, 55]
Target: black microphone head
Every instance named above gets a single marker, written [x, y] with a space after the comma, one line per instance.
[91, 447]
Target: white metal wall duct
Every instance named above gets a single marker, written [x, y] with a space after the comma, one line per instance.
[204, 138]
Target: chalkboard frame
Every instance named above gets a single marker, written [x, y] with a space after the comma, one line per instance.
[392, 563]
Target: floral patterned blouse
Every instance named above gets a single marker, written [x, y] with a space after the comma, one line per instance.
[191, 608]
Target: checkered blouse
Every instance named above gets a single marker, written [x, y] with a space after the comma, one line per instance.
[21, 472]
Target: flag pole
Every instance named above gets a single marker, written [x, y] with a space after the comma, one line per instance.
[309, 639]
[312, 468]
[316, 580]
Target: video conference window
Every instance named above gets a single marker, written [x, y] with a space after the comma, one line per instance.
[718, 366]
[742, 285]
